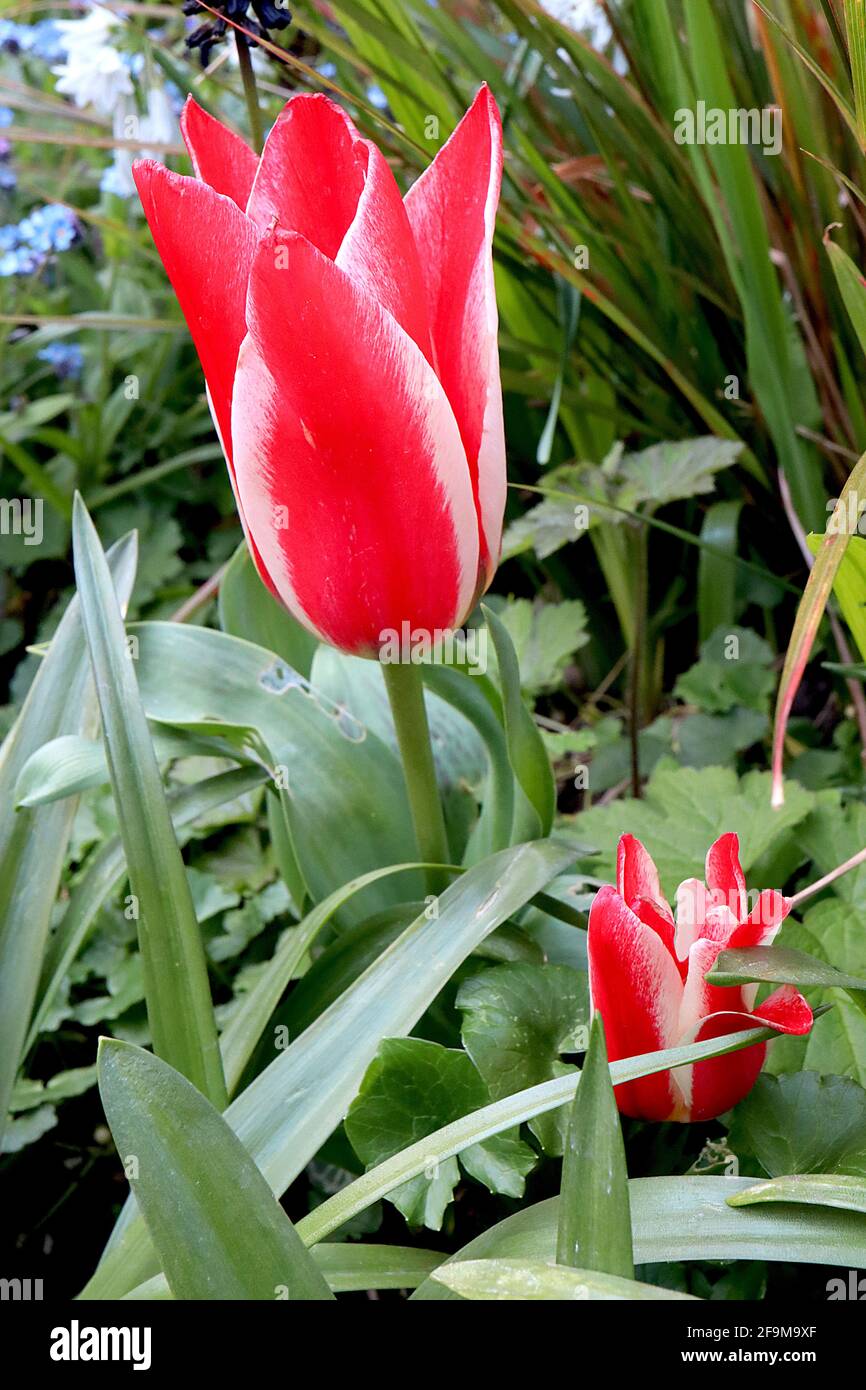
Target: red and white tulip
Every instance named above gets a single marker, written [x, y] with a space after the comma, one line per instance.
[348, 340]
[646, 974]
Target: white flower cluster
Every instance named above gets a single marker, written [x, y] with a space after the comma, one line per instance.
[94, 73]
[98, 74]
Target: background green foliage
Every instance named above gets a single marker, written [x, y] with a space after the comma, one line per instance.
[681, 348]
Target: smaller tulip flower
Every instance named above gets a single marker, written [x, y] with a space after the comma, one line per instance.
[647, 979]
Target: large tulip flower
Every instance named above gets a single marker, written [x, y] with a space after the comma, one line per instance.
[348, 340]
[646, 974]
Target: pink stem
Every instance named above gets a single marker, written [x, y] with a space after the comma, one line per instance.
[813, 888]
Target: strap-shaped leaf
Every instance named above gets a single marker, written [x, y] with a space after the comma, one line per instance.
[106, 870]
[594, 1231]
[810, 1189]
[219, 1231]
[33, 842]
[529, 1281]
[176, 987]
[493, 1119]
[685, 1218]
[294, 1104]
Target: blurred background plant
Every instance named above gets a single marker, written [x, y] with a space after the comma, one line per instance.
[682, 325]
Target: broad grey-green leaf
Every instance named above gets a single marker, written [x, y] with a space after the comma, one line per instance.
[62, 767]
[687, 1218]
[195, 676]
[529, 1281]
[72, 764]
[779, 965]
[217, 1226]
[247, 609]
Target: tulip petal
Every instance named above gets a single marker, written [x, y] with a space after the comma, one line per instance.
[311, 173]
[712, 1087]
[348, 458]
[652, 915]
[206, 245]
[763, 922]
[636, 987]
[725, 878]
[700, 998]
[379, 252]
[787, 1011]
[636, 873]
[451, 209]
[692, 903]
[220, 158]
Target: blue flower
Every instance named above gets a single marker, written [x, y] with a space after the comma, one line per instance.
[26, 246]
[67, 359]
[43, 40]
[49, 228]
[20, 261]
[7, 116]
[46, 41]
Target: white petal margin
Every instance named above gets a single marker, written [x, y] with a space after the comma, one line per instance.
[426, 204]
[267, 398]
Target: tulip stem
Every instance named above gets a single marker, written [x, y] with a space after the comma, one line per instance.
[406, 693]
[248, 77]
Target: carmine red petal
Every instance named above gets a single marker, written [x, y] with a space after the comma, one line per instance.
[713, 1087]
[636, 987]
[452, 209]
[379, 252]
[636, 873]
[206, 245]
[764, 920]
[725, 878]
[220, 158]
[652, 915]
[348, 458]
[311, 173]
[787, 1011]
